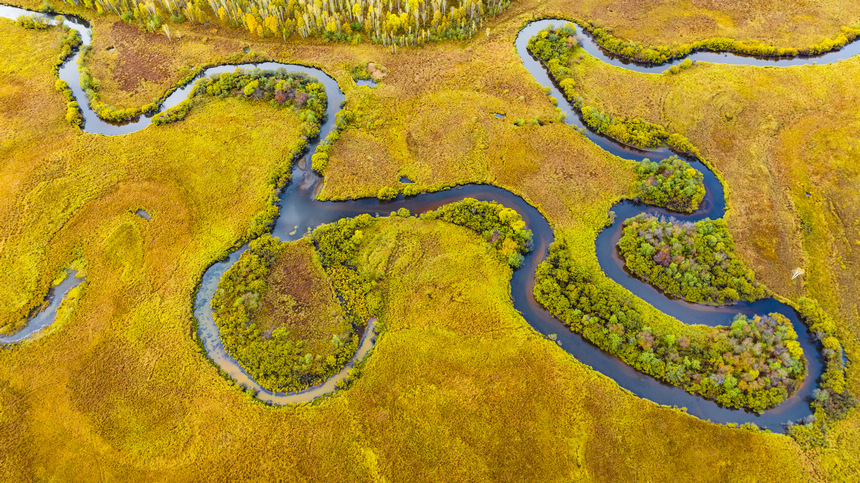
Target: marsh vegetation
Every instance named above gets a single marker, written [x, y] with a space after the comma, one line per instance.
[693, 261]
[754, 364]
[278, 315]
[130, 380]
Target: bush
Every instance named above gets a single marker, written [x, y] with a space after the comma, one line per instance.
[833, 395]
[411, 190]
[34, 22]
[502, 227]
[694, 261]
[387, 193]
[672, 183]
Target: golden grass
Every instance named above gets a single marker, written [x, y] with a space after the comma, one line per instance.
[458, 386]
[675, 22]
[785, 141]
[65, 194]
[139, 68]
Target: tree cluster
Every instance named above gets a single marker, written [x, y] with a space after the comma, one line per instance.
[754, 364]
[338, 243]
[833, 395]
[501, 227]
[280, 88]
[693, 261]
[390, 22]
[672, 183]
[275, 361]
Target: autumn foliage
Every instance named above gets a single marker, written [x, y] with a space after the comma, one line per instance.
[756, 363]
[694, 261]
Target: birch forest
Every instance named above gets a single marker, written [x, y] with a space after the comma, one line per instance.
[389, 22]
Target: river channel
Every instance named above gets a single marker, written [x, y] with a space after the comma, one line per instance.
[301, 211]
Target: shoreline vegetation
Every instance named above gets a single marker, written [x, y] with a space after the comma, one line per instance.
[694, 261]
[288, 333]
[608, 319]
[661, 54]
[280, 88]
[256, 311]
[556, 49]
[754, 364]
[503, 228]
[70, 41]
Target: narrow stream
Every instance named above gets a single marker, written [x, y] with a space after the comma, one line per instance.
[47, 315]
[590, 45]
[300, 211]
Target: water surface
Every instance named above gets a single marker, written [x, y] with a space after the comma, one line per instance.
[300, 212]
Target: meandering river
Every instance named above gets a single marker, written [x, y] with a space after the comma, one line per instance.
[300, 211]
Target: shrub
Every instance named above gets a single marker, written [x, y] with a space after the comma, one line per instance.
[833, 396]
[502, 227]
[34, 22]
[411, 190]
[387, 193]
[694, 261]
[672, 183]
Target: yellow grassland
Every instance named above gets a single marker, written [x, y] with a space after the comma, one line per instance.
[785, 141]
[458, 386]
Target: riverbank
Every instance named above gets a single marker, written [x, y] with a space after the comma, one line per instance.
[457, 351]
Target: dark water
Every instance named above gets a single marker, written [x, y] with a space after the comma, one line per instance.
[301, 212]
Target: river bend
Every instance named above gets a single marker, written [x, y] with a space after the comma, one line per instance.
[300, 211]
